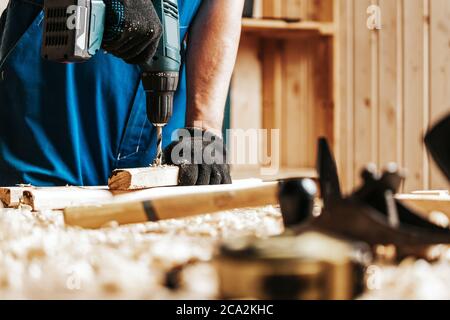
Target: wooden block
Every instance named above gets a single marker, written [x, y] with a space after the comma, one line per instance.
[58, 198]
[10, 196]
[143, 178]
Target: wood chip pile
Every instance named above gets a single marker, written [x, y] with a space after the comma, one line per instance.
[42, 259]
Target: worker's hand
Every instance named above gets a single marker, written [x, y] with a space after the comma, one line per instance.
[201, 157]
[132, 30]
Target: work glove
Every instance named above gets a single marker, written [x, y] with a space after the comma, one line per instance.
[201, 157]
[132, 30]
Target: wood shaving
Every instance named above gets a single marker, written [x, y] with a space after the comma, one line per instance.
[42, 259]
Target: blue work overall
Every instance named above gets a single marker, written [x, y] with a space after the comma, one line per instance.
[72, 123]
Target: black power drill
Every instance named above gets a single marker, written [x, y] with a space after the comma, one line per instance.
[73, 32]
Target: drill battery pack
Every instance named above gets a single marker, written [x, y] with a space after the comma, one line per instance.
[73, 29]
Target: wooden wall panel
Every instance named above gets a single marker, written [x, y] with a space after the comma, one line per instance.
[439, 71]
[246, 86]
[415, 115]
[273, 86]
[364, 106]
[272, 9]
[246, 92]
[343, 82]
[296, 75]
[393, 84]
[389, 107]
[311, 10]
[297, 93]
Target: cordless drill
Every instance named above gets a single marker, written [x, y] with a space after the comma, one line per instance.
[73, 32]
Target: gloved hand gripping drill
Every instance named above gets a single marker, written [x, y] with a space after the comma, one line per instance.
[134, 28]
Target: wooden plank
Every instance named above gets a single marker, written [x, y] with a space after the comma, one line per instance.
[293, 10]
[257, 8]
[295, 105]
[307, 110]
[345, 103]
[440, 73]
[279, 28]
[273, 9]
[246, 100]
[58, 198]
[319, 10]
[388, 90]
[184, 203]
[414, 73]
[11, 196]
[364, 99]
[143, 178]
[321, 77]
[272, 93]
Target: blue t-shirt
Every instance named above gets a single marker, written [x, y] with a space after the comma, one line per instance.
[72, 124]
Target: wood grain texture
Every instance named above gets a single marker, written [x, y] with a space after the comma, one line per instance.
[272, 9]
[184, 203]
[344, 92]
[365, 102]
[246, 101]
[273, 93]
[143, 178]
[427, 204]
[296, 116]
[393, 84]
[58, 198]
[388, 109]
[12, 196]
[414, 82]
[296, 62]
[294, 10]
[439, 73]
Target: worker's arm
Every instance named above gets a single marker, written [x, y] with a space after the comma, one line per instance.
[212, 49]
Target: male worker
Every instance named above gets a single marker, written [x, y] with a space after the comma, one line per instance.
[74, 123]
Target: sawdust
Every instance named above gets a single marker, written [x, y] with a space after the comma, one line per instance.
[41, 259]
[412, 279]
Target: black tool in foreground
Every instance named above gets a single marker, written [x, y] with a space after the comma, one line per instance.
[438, 144]
[371, 214]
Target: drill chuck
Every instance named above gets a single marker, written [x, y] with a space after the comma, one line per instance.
[160, 90]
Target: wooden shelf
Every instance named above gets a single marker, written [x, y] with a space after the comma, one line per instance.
[281, 28]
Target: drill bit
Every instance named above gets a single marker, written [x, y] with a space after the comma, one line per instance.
[159, 151]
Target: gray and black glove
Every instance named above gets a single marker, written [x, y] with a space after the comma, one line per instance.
[201, 157]
[132, 30]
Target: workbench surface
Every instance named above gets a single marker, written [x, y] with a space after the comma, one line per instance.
[41, 259]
